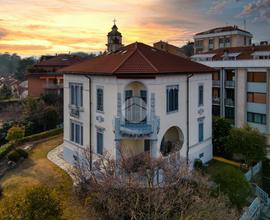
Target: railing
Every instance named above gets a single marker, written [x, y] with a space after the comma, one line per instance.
[229, 102]
[230, 83]
[253, 211]
[253, 171]
[216, 100]
[216, 83]
[53, 86]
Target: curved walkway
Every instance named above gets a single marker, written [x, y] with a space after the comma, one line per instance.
[57, 157]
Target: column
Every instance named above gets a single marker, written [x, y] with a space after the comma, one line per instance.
[240, 97]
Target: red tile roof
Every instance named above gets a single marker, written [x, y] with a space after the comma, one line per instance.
[222, 29]
[60, 60]
[245, 52]
[137, 59]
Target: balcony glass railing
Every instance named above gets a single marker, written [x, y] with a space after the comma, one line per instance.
[216, 100]
[230, 83]
[229, 102]
[216, 83]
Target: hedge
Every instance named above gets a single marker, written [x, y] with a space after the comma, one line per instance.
[6, 148]
[44, 134]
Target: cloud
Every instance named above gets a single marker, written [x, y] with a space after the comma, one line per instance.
[259, 9]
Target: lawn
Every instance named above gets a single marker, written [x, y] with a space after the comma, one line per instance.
[38, 169]
[215, 166]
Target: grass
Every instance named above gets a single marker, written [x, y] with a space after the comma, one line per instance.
[215, 166]
[37, 169]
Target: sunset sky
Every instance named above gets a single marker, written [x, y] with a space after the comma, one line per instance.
[35, 27]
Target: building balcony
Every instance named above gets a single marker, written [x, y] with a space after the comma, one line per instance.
[229, 84]
[216, 83]
[229, 102]
[53, 86]
[216, 100]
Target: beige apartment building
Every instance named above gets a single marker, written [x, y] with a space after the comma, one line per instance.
[221, 37]
[241, 88]
[166, 47]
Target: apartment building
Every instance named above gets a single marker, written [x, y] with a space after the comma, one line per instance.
[165, 46]
[221, 37]
[43, 77]
[241, 88]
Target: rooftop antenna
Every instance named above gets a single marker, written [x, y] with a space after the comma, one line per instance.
[245, 24]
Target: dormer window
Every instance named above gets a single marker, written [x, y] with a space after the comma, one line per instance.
[261, 55]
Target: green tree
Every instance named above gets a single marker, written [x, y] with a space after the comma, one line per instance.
[37, 203]
[233, 183]
[5, 92]
[15, 133]
[247, 142]
[50, 118]
[221, 129]
[23, 65]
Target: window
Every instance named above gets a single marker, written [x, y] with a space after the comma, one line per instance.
[199, 43]
[200, 95]
[227, 42]
[76, 132]
[221, 42]
[100, 106]
[256, 77]
[144, 95]
[201, 131]
[147, 145]
[99, 143]
[128, 94]
[172, 98]
[216, 110]
[229, 113]
[230, 73]
[211, 43]
[256, 118]
[76, 94]
[256, 97]
[216, 76]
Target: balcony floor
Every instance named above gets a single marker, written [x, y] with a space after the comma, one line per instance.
[138, 129]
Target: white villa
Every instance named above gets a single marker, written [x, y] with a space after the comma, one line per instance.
[138, 99]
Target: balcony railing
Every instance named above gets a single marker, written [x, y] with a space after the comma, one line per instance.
[216, 83]
[53, 86]
[229, 102]
[216, 100]
[135, 119]
[230, 84]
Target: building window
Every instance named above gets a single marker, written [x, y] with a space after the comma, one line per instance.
[230, 74]
[221, 42]
[76, 132]
[256, 97]
[215, 76]
[99, 142]
[256, 118]
[200, 126]
[256, 77]
[76, 94]
[128, 94]
[200, 95]
[198, 43]
[211, 43]
[172, 98]
[229, 113]
[100, 106]
[216, 110]
[227, 42]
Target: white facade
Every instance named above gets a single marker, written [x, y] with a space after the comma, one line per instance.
[113, 95]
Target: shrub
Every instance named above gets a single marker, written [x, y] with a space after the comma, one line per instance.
[14, 156]
[22, 153]
[39, 202]
[5, 149]
[232, 182]
[15, 133]
[198, 164]
[42, 135]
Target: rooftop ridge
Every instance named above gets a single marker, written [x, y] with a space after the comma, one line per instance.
[148, 61]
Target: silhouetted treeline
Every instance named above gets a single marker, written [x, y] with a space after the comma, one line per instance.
[14, 64]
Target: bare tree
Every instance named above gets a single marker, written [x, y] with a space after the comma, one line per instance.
[141, 187]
